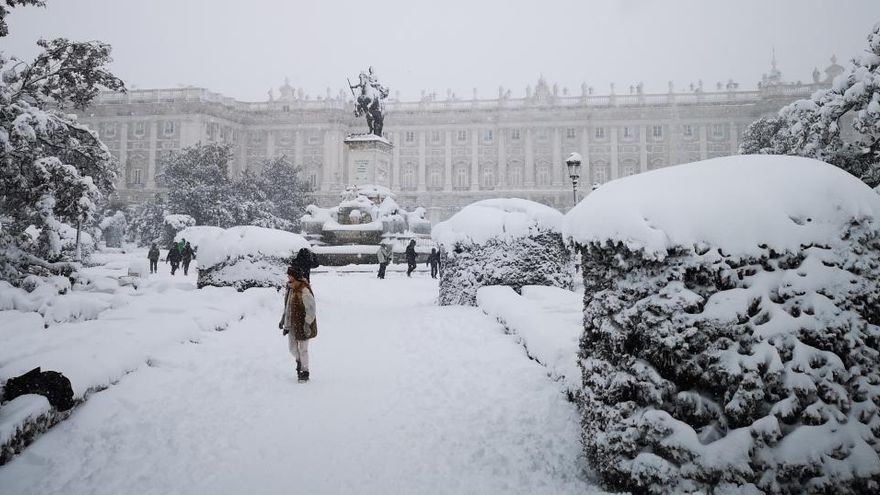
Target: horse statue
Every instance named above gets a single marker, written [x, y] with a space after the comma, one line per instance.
[369, 101]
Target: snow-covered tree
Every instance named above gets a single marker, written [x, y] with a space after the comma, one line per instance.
[732, 346]
[199, 185]
[285, 190]
[146, 225]
[113, 229]
[508, 241]
[812, 127]
[53, 171]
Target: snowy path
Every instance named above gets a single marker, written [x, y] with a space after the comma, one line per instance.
[406, 397]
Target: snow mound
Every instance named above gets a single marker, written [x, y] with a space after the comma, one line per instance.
[245, 257]
[243, 241]
[506, 218]
[737, 203]
[198, 235]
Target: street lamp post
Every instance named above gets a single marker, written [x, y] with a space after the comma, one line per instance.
[573, 162]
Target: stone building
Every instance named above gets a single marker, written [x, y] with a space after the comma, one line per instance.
[448, 152]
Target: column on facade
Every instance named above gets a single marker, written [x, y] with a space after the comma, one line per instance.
[447, 161]
[704, 144]
[152, 142]
[475, 160]
[337, 170]
[586, 176]
[123, 155]
[614, 161]
[298, 148]
[501, 180]
[395, 162]
[241, 137]
[529, 180]
[643, 148]
[270, 144]
[734, 141]
[332, 159]
[328, 158]
[423, 159]
[557, 166]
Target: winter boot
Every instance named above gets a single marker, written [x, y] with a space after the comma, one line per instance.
[303, 376]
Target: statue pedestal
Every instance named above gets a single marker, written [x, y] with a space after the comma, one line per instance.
[369, 159]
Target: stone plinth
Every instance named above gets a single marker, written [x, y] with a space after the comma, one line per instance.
[369, 159]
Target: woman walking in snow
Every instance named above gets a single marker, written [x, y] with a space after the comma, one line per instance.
[299, 321]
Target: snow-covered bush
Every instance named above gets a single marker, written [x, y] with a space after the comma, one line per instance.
[113, 229]
[245, 257]
[732, 328]
[511, 242]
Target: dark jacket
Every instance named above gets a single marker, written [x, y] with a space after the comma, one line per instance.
[411, 253]
[305, 260]
[153, 255]
[434, 258]
[188, 253]
[173, 255]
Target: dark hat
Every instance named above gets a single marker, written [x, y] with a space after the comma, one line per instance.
[295, 271]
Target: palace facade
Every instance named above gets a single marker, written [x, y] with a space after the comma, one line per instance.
[448, 152]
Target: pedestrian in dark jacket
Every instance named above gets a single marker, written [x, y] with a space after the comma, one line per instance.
[173, 258]
[305, 260]
[187, 257]
[410, 257]
[299, 320]
[153, 256]
[434, 261]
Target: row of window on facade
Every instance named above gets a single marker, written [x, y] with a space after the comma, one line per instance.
[599, 173]
[138, 129]
[488, 135]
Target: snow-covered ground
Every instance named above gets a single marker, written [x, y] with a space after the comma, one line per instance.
[405, 397]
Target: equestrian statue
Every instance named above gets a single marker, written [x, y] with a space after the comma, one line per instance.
[370, 100]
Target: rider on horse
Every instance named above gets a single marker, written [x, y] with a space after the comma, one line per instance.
[370, 101]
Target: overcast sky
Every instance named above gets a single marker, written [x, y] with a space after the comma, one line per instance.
[242, 48]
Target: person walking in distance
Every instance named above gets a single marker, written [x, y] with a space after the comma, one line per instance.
[299, 321]
[434, 261]
[187, 257]
[153, 256]
[173, 258]
[410, 257]
[384, 255]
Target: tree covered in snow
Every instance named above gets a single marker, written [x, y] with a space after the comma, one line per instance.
[812, 127]
[54, 171]
[729, 344]
[511, 242]
[113, 229]
[146, 225]
[287, 194]
[200, 185]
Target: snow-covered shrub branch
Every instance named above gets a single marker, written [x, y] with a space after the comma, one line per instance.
[511, 242]
[732, 345]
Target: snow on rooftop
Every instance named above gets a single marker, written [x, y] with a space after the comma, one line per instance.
[236, 242]
[502, 217]
[735, 203]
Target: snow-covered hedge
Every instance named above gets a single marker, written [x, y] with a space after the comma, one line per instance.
[245, 257]
[731, 334]
[511, 242]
